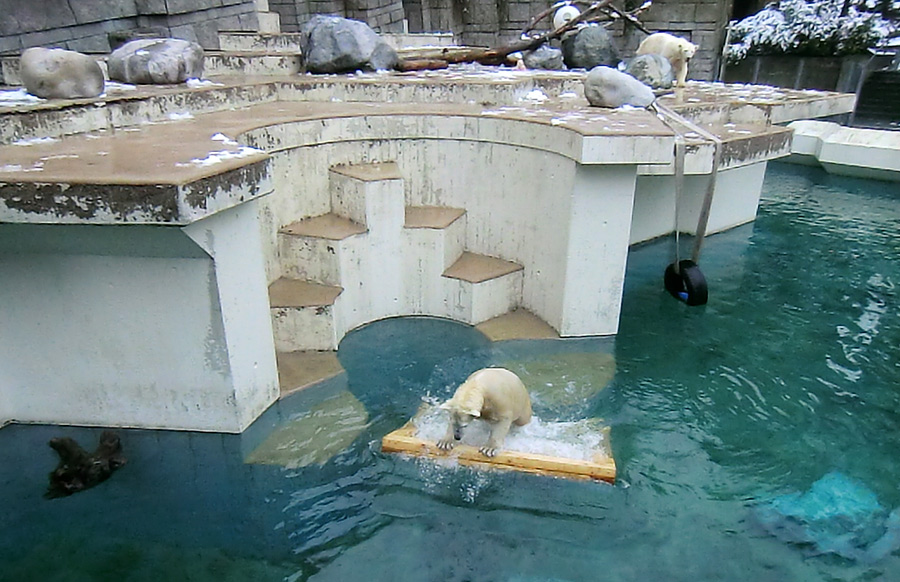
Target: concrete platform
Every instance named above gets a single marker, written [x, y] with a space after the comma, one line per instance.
[516, 325]
[847, 151]
[298, 370]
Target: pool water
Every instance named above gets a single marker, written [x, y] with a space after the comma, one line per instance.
[790, 373]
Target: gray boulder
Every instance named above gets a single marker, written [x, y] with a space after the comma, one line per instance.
[331, 44]
[544, 57]
[607, 87]
[589, 47]
[156, 61]
[652, 70]
[60, 74]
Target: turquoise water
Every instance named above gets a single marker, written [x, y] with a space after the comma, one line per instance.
[789, 374]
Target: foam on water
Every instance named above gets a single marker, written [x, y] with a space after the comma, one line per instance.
[581, 440]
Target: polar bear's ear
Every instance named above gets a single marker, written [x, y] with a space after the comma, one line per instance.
[473, 412]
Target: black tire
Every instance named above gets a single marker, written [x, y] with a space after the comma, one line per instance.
[687, 283]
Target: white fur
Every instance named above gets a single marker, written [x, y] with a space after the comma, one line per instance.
[494, 395]
[677, 50]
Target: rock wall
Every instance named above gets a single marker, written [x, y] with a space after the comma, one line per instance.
[490, 22]
[86, 25]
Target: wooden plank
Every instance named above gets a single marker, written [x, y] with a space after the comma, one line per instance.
[403, 440]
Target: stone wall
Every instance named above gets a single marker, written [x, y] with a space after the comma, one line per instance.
[703, 22]
[85, 25]
[491, 22]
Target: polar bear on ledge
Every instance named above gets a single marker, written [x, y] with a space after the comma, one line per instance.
[676, 49]
[494, 395]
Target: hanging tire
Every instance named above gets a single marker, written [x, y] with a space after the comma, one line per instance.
[687, 283]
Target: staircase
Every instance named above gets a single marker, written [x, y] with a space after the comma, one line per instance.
[373, 257]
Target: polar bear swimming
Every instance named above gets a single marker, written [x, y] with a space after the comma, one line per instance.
[494, 395]
[677, 50]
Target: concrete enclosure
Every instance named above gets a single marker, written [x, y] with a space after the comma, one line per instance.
[157, 252]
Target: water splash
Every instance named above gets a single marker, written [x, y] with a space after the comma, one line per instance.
[581, 440]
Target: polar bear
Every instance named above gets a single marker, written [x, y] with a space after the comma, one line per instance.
[677, 50]
[494, 395]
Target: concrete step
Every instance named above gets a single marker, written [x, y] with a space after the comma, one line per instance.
[283, 43]
[370, 194]
[311, 249]
[415, 40]
[297, 370]
[434, 237]
[268, 22]
[303, 315]
[249, 62]
[480, 287]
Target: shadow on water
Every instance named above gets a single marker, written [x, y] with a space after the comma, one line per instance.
[722, 416]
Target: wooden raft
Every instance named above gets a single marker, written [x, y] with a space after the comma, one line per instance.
[403, 440]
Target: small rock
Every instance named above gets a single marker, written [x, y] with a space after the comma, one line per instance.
[652, 70]
[607, 87]
[331, 44]
[156, 61]
[589, 47]
[544, 57]
[60, 74]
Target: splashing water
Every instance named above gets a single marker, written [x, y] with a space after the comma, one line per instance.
[581, 440]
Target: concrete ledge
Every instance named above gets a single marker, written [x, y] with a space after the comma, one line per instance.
[847, 151]
[327, 226]
[437, 217]
[293, 293]
[475, 268]
[169, 200]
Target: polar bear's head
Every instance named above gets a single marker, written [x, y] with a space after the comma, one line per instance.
[464, 407]
[687, 49]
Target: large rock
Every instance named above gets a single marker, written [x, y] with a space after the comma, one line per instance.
[607, 87]
[331, 44]
[589, 47]
[544, 57]
[60, 74]
[654, 71]
[156, 61]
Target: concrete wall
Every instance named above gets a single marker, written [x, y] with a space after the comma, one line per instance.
[523, 205]
[130, 324]
[85, 25]
[735, 202]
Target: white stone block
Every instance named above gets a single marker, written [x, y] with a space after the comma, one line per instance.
[304, 328]
[268, 22]
[311, 259]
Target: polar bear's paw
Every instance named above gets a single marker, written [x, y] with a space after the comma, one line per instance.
[445, 444]
[489, 451]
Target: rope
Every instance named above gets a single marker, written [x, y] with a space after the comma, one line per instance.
[667, 116]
